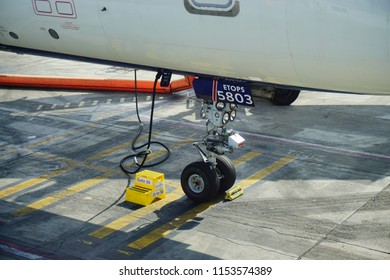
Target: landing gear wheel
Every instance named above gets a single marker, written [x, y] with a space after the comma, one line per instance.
[200, 182]
[284, 97]
[228, 171]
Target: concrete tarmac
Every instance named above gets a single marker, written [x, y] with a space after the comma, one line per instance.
[316, 175]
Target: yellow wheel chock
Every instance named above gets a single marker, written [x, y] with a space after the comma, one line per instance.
[233, 193]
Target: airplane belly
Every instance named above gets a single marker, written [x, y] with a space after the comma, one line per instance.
[250, 44]
[336, 45]
[345, 46]
[65, 27]
[325, 44]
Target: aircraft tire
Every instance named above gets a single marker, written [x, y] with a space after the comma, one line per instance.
[200, 181]
[226, 168]
[284, 97]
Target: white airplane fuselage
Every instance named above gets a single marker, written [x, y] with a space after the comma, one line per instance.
[340, 45]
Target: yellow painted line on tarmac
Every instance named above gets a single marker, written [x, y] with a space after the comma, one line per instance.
[22, 186]
[114, 149]
[175, 146]
[60, 136]
[151, 156]
[245, 158]
[169, 227]
[108, 152]
[32, 182]
[260, 175]
[44, 177]
[71, 190]
[124, 221]
[47, 176]
[60, 195]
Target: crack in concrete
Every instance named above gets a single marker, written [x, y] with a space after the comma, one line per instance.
[264, 227]
[326, 237]
[247, 245]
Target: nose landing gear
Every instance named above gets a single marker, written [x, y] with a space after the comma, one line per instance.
[215, 173]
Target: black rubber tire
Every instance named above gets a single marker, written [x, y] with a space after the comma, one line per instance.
[200, 175]
[228, 171]
[284, 97]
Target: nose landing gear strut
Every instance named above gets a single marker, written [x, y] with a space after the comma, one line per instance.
[215, 173]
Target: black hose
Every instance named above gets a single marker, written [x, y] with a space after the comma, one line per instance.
[144, 153]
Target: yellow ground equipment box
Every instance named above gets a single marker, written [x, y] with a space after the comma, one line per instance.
[148, 186]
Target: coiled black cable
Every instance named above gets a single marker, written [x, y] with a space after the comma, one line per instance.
[144, 153]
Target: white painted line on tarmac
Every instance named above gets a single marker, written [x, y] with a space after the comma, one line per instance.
[20, 253]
